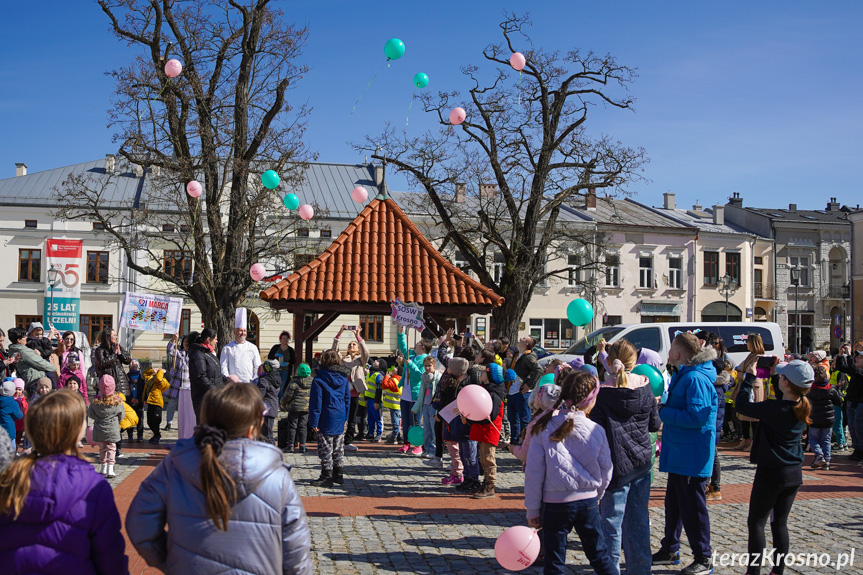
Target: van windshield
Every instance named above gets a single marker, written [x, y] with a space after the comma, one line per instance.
[581, 346]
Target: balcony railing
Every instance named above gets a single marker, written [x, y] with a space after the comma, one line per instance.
[765, 290]
[836, 291]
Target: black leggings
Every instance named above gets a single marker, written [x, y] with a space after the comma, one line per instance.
[438, 438]
[764, 499]
[745, 426]
[716, 478]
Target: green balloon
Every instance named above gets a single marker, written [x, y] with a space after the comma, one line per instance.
[579, 312]
[291, 201]
[547, 379]
[270, 179]
[421, 80]
[394, 49]
[415, 436]
[653, 375]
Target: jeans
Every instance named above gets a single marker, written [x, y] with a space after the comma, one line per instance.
[855, 423]
[559, 519]
[467, 453]
[171, 408]
[626, 522]
[819, 441]
[428, 429]
[839, 426]
[376, 426]
[764, 501]
[518, 413]
[407, 418]
[686, 508]
[285, 377]
[396, 422]
[267, 429]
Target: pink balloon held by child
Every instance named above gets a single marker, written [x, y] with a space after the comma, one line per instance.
[474, 402]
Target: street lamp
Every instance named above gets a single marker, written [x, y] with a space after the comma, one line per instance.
[795, 281]
[53, 276]
[727, 287]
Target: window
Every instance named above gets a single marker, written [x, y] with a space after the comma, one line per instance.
[373, 327]
[573, 275]
[645, 272]
[97, 267]
[759, 260]
[33, 224]
[168, 228]
[609, 320]
[303, 232]
[326, 233]
[612, 270]
[184, 229]
[185, 323]
[497, 267]
[254, 330]
[30, 265]
[802, 263]
[732, 266]
[92, 326]
[301, 260]
[711, 268]
[551, 333]
[645, 337]
[98, 226]
[567, 333]
[24, 321]
[536, 330]
[178, 263]
[675, 269]
[459, 261]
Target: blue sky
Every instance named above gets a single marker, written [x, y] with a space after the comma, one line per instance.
[762, 98]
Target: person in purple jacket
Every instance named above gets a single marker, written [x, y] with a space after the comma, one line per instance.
[57, 515]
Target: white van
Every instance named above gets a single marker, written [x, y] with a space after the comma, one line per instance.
[658, 337]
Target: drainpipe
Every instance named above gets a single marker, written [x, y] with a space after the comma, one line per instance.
[751, 297]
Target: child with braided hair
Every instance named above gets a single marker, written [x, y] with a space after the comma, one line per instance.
[568, 469]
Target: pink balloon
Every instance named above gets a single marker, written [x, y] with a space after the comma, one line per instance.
[474, 402]
[173, 68]
[517, 61]
[89, 435]
[359, 194]
[457, 116]
[517, 547]
[307, 212]
[257, 271]
[194, 189]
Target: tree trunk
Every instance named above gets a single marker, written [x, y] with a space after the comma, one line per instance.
[221, 320]
[508, 316]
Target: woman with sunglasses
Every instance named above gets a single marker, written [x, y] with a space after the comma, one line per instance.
[68, 346]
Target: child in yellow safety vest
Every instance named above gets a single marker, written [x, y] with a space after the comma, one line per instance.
[388, 396]
[374, 380]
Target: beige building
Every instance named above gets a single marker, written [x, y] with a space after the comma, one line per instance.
[856, 219]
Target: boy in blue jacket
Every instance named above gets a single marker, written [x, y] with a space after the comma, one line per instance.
[688, 449]
[329, 403]
[10, 411]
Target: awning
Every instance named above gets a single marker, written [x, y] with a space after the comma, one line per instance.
[660, 308]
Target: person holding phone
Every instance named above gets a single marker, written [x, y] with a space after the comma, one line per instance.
[748, 424]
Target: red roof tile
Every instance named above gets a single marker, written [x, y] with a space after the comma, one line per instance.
[379, 257]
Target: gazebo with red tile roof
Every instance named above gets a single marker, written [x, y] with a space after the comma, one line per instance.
[380, 257]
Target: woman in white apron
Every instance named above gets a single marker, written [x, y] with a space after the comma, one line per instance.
[185, 412]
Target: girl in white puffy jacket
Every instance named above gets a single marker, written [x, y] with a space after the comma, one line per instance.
[568, 469]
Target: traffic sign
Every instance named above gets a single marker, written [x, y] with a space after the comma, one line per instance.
[837, 333]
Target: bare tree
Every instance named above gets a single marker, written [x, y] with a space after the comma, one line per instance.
[223, 121]
[527, 138]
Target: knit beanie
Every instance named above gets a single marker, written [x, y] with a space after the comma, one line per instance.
[19, 383]
[510, 375]
[304, 370]
[546, 396]
[458, 366]
[8, 389]
[74, 378]
[107, 385]
[495, 373]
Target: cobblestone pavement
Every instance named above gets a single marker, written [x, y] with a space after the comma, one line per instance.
[394, 516]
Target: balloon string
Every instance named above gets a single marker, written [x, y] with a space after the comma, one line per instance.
[409, 112]
[519, 88]
[369, 84]
[163, 87]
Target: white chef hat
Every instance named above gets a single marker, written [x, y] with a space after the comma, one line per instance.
[241, 319]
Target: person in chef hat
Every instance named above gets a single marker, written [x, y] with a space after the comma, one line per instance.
[240, 359]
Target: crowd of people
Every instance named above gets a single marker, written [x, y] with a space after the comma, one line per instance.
[585, 432]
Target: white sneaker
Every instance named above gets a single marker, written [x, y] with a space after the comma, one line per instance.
[104, 469]
[350, 447]
[110, 474]
[119, 455]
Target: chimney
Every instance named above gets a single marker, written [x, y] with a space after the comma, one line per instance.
[139, 170]
[792, 207]
[735, 200]
[719, 215]
[20, 169]
[696, 207]
[109, 163]
[460, 193]
[833, 205]
[669, 202]
[379, 175]
[487, 190]
[590, 199]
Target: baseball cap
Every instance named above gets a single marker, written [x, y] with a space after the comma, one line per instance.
[798, 372]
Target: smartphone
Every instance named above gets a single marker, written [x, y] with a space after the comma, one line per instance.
[765, 362]
[352, 328]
